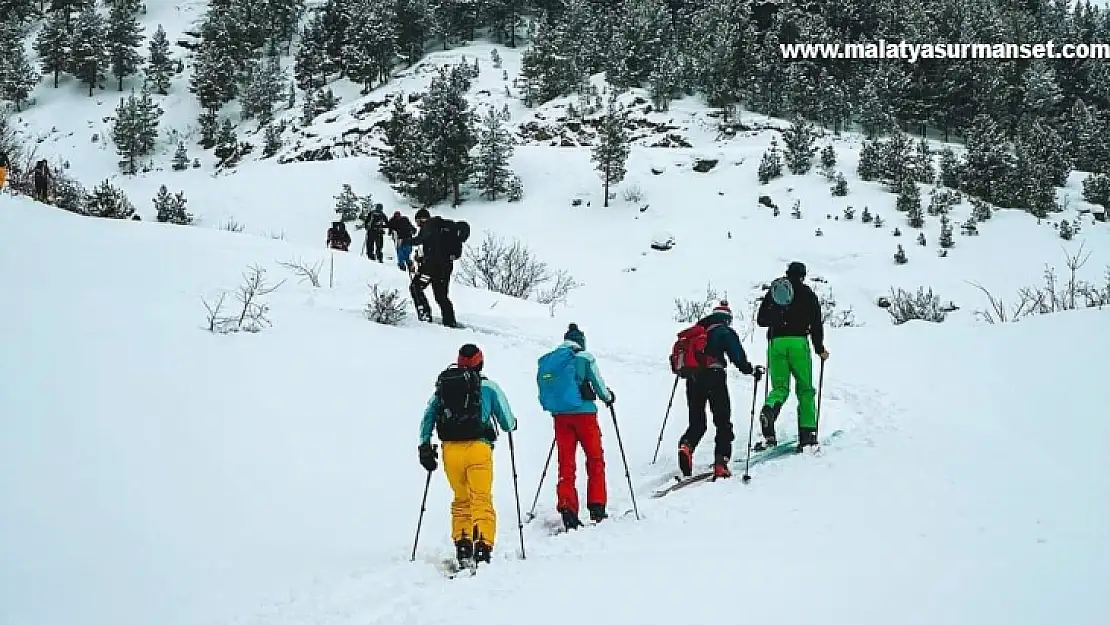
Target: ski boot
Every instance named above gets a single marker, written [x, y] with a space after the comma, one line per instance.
[767, 418]
[720, 468]
[807, 437]
[597, 512]
[570, 519]
[464, 552]
[685, 459]
[482, 551]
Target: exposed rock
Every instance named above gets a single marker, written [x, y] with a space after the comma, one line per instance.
[703, 165]
[662, 242]
[656, 170]
[765, 200]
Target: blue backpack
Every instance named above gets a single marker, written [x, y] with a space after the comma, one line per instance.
[557, 383]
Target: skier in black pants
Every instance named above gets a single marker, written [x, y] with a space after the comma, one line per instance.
[374, 224]
[441, 240]
[709, 384]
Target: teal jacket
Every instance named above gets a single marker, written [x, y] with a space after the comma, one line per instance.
[586, 374]
[493, 405]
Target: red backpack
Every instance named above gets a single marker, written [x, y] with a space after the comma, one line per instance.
[688, 352]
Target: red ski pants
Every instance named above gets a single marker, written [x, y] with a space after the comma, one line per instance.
[572, 430]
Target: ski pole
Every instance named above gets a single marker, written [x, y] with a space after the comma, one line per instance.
[766, 384]
[751, 426]
[820, 387]
[627, 474]
[532, 513]
[666, 415]
[516, 493]
[420, 521]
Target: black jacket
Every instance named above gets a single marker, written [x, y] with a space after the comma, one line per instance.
[430, 238]
[803, 316]
[402, 228]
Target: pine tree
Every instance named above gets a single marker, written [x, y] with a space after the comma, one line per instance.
[770, 166]
[448, 128]
[1067, 231]
[865, 216]
[123, 36]
[988, 163]
[666, 80]
[264, 89]
[160, 65]
[610, 153]
[410, 21]
[371, 44]
[180, 158]
[226, 141]
[840, 186]
[272, 140]
[1042, 94]
[88, 49]
[925, 172]
[909, 202]
[980, 210]
[900, 256]
[108, 202]
[549, 66]
[347, 204]
[921, 239]
[215, 69]
[52, 44]
[828, 157]
[400, 163]
[946, 241]
[950, 169]
[495, 147]
[870, 166]
[209, 123]
[135, 130]
[308, 66]
[799, 139]
[171, 208]
[17, 76]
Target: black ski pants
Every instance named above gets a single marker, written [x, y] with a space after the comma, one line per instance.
[374, 241]
[709, 386]
[438, 275]
[40, 187]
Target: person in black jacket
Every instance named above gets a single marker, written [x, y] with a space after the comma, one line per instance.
[402, 231]
[790, 311]
[42, 180]
[439, 242]
[338, 237]
[374, 225]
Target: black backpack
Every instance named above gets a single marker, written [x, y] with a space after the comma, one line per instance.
[452, 235]
[459, 418]
[377, 220]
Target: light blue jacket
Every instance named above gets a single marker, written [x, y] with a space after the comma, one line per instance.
[493, 405]
[586, 372]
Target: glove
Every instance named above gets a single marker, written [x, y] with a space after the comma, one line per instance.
[428, 457]
[612, 397]
[758, 373]
[745, 368]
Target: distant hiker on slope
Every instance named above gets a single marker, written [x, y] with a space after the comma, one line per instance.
[699, 356]
[790, 311]
[4, 165]
[569, 381]
[42, 180]
[463, 410]
[402, 231]
[374, 225]
[338, 237]
[441, 241]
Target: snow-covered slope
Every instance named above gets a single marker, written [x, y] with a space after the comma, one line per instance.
[153, 472]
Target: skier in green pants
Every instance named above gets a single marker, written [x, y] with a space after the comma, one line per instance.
[790, 312]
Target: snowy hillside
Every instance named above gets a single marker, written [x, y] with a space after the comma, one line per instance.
[154, 472]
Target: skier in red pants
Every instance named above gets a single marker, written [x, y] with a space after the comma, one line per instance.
[569, 381]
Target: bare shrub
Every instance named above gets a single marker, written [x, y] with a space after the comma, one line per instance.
[386, 306]
[304, 271]
[632, 194]
[511, 269]
[251, 316]
[1051, 296]
[231, 225]
[690, 310]
[923, 305]
[831, 314]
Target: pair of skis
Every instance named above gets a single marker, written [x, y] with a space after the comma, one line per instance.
[784, 448]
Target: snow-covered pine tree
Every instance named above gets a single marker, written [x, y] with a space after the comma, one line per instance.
[946, 241]
[180, 157]
[950, 168]
[770, 166]
[215, 68]
[398, 163]
[909, 202]
[347, 204]
[226, 141]
[840, 185]
[108, 202]
[980, 210]
[800, 150]
[666, 80]
[160, 65]
[1041, 94]
[326, 101]
[495, 148]
[549, 66]
[921, 239]
[924, 171]
[828, 157]
[638, 38]
[449, 130]
[610, 153]
[52, 44]
[876, 115]
[900, 256]
[264, 88]
[88, 48]
[209, 123]
[308, 65]
[272, 140]
[850, 213]
[171, 208]
[723, 39]
[411, 25]
[135, 130]
[1041, 143]
[870, 166]
[865, 216]
[1088, 137]
[17, 76]
[370, 45]
[123, 36]
[988, 164]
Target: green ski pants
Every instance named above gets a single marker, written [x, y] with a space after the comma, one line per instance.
[786, 356]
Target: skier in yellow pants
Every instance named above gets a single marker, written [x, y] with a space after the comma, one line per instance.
[791, 311]
[465, 412]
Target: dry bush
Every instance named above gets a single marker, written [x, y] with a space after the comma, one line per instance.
[386, 306]
[690, 310]
[304, 271]
[511, 269]
[1051, 296]
[250, 314]
[923, 305]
